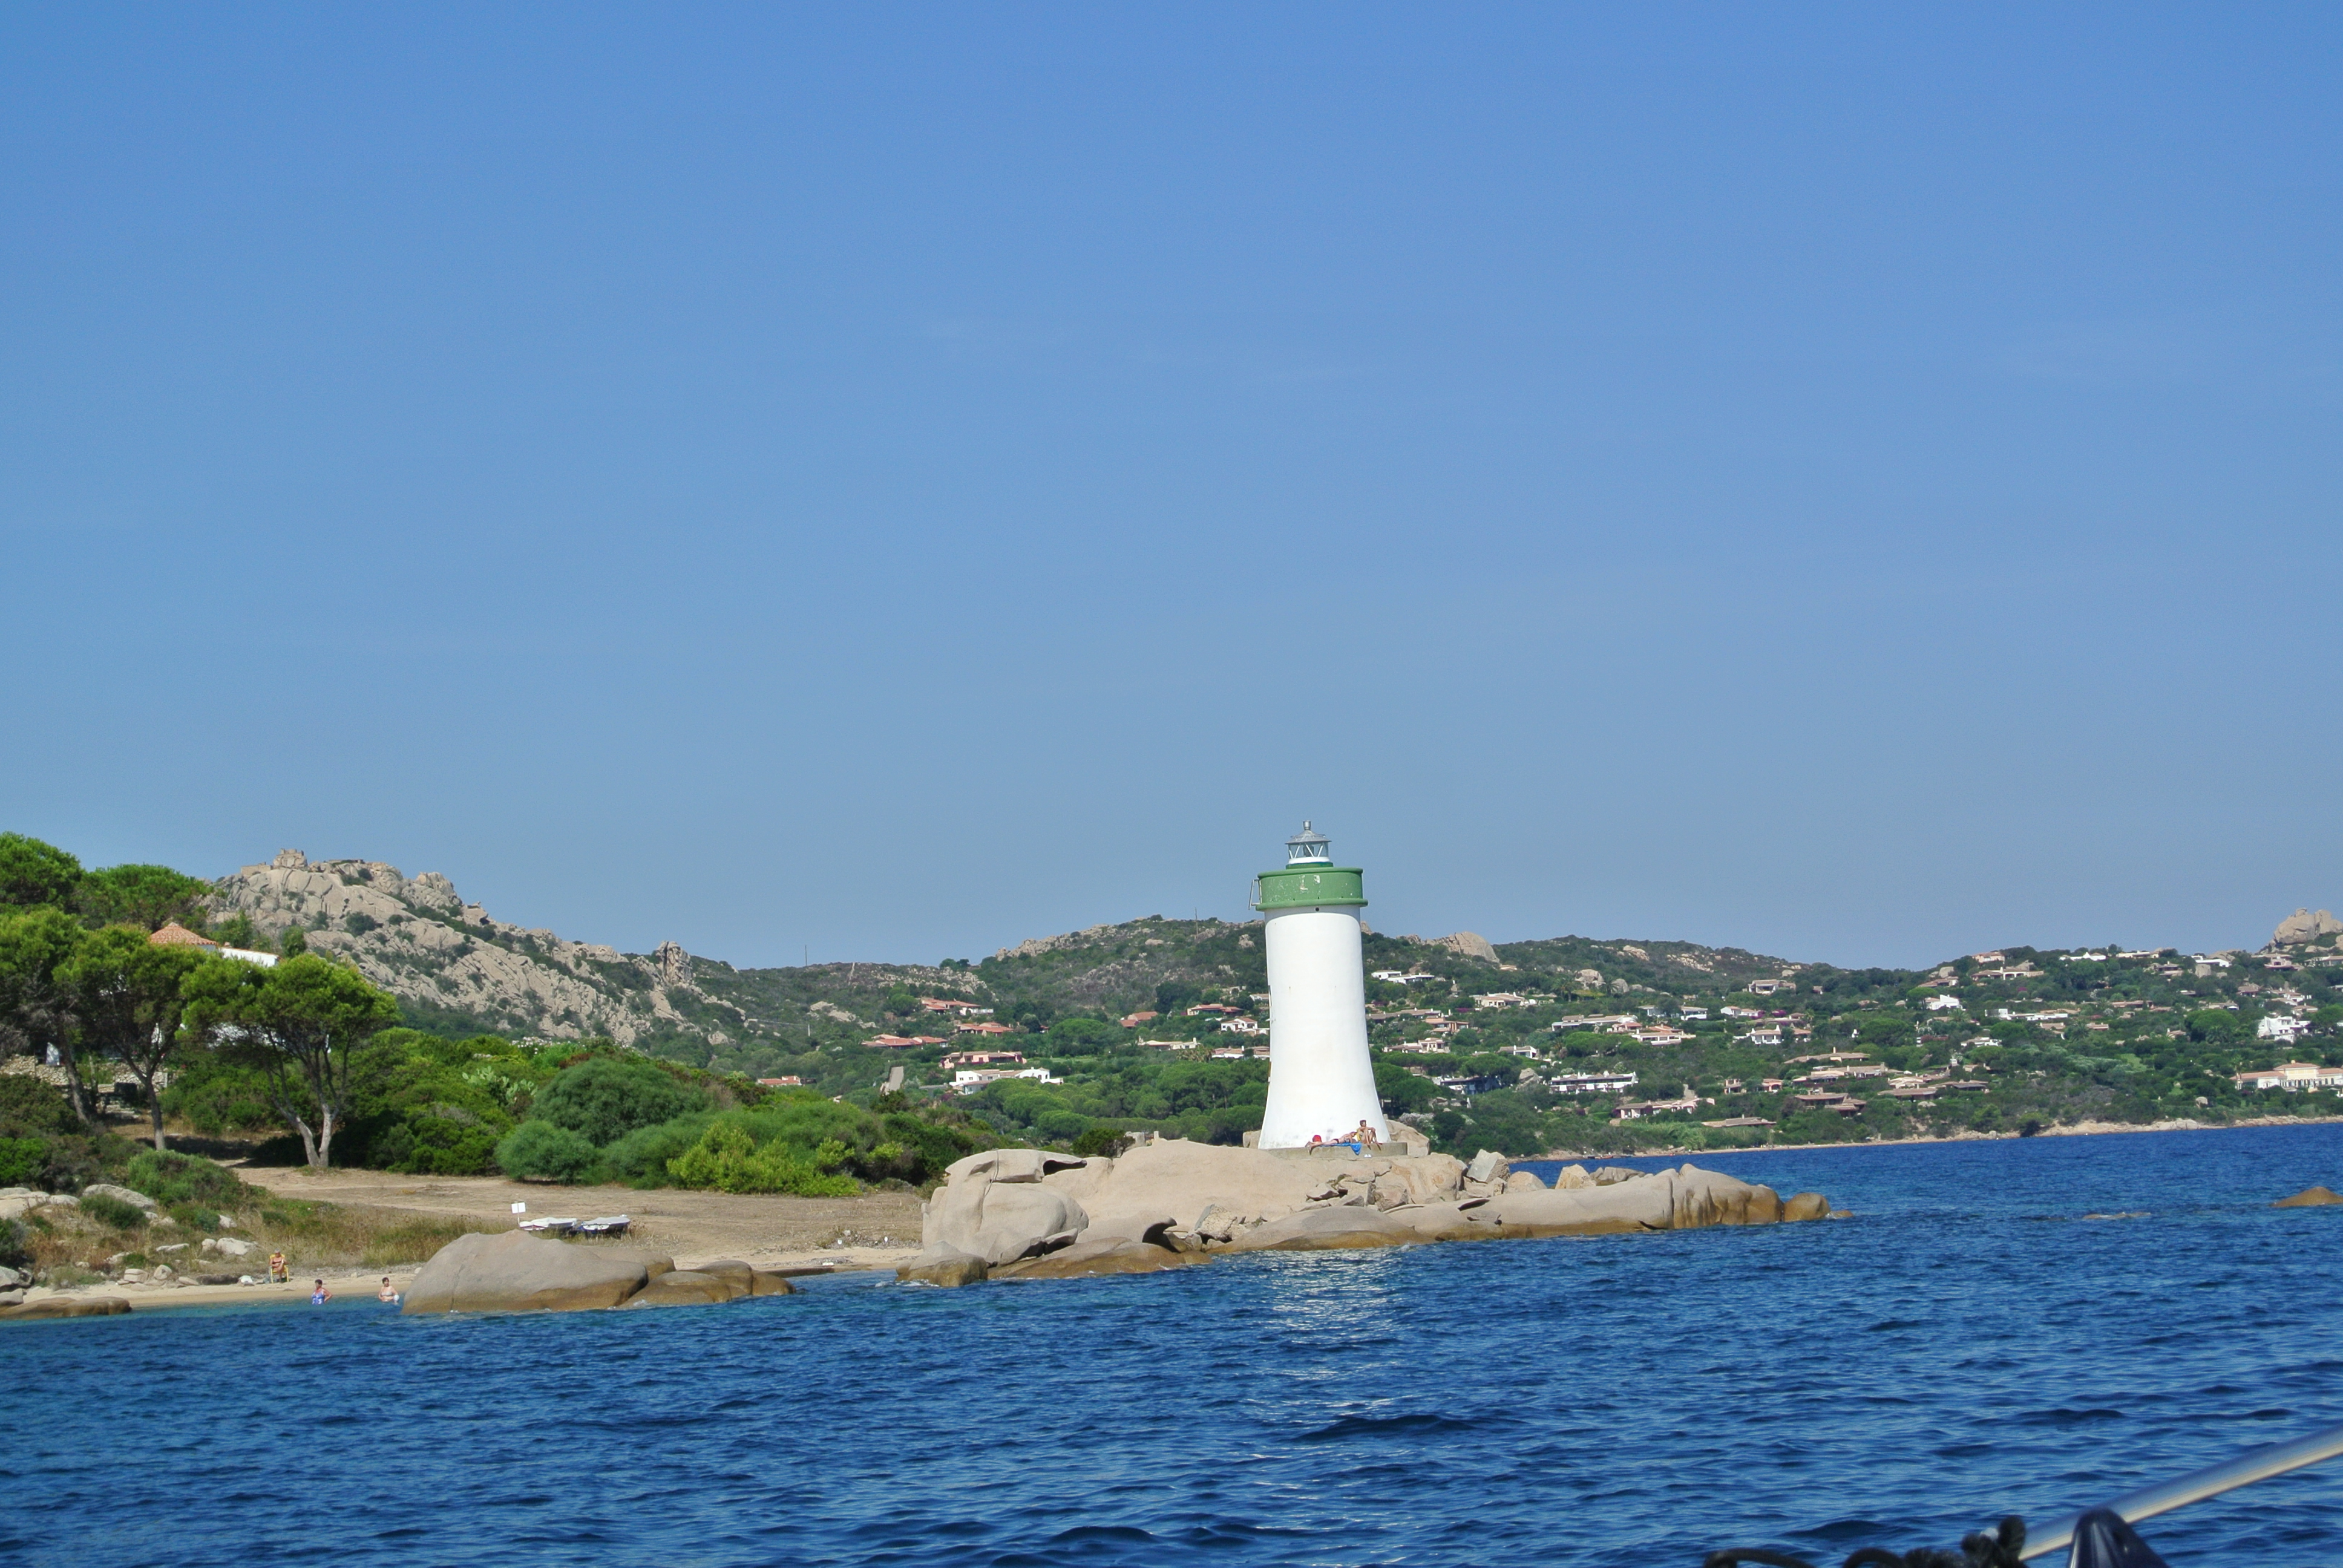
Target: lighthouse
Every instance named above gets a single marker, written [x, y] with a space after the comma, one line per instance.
[1320, 1082]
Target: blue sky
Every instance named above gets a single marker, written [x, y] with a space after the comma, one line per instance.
[1857, 483]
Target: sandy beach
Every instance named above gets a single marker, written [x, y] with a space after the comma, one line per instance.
[870, 1231]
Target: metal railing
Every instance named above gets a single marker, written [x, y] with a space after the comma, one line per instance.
[2196, 1486]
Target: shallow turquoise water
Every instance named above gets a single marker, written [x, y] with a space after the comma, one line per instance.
[1967, 1345]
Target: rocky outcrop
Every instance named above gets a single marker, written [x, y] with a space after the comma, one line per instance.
[997, 1206]
[1469, 944]
[943, 1268]
[1171, 1198]
[2305, 926]
[418, 938]
[15, 1203]
[2309, 1198]
[66, 1307]
[513, 1271]
[1113, 1255]
[686, 1288]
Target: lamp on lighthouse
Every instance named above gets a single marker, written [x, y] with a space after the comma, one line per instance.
[1309, 848]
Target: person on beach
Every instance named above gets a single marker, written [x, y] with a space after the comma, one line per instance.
[319, 1295]
[1364, 1139]
[279, 1274]
[387, 1293]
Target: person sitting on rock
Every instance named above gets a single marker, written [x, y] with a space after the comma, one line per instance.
[1364, 1139]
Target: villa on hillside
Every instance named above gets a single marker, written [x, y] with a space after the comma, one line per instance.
[2291, 1076]
[175, 935]
[984, 1059]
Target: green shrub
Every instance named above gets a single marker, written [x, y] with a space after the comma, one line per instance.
[543, 1151]
[728, 1159]
[194, 1216]
[31, 1109]
[604, 1099]
[1104, 1140]
[220, 1099]
[21, 1160]
[119, 1212]
[641, 1156]
[175, 1178]
[71, 1163]
[15, 1245]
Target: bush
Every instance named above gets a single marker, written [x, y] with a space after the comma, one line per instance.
[1102, 1141]
[16, 1246]
[119, 1212]
[642, 1157]
[21, 1160]
[181, 1179]
[31, 1108]
[604, 1099]
[220, 1099]
[728, 1159]
[545, 1152]
[68, 1165]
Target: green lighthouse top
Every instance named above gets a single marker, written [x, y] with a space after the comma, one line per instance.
[1311, 879]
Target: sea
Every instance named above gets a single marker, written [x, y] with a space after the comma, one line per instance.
[2028, 1326]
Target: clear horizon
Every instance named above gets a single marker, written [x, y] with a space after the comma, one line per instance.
[1853, 485]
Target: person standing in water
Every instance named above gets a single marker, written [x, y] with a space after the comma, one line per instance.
[387, 1293]
[319, 1295]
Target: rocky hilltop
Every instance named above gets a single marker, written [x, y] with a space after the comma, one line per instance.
[450, 961]
[457, 968]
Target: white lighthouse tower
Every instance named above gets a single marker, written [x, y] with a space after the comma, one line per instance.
[1321, 1082]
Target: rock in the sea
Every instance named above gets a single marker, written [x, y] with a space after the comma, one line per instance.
[1685, 1199]
[1339, 1228]
[767, 1282]
[996, 1207]
[1115, 1255]
[943, 1268]
[1488, 1166]
[513, 1271]
[2309, 1198]
[737, 1275]
[1524, 1182]
[1806, 1206]
[66, 1307]
[687, 1288]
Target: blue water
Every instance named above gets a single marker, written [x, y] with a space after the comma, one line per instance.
[1967, 1345]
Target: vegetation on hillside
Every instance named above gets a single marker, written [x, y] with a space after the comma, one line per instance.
[778, 1082]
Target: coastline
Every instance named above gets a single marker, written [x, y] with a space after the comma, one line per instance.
[2059, 1130]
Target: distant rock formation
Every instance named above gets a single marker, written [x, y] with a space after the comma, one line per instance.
[2305, 926]
[418, 940]
[1470, 945]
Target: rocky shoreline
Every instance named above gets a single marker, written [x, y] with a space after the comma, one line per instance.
[1028, 1213]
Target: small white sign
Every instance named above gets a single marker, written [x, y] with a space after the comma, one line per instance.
[520, 1208]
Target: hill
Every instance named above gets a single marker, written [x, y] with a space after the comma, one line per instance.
[1569, 1042]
